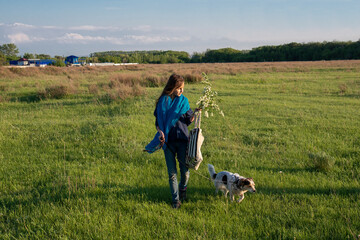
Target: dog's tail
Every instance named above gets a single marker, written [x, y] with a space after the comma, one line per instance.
[212, 171]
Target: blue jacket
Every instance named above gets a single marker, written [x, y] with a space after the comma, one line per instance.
[180, 131]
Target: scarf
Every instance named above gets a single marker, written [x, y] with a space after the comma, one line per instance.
[168, 112]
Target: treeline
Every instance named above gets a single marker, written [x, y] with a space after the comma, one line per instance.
[156, 57]
[287, 52]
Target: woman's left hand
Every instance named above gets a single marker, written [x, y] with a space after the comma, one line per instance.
[196, 110]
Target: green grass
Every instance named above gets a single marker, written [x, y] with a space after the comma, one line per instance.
[73, 168]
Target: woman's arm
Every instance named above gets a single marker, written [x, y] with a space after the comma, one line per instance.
[162, 135]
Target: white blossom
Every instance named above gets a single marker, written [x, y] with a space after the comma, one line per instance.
[208, 102]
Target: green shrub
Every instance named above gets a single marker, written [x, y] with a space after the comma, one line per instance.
[192, 78]
[54, 92]
[152, 81]
[3, 88]
[59, 63]
[343, 88]
[321, 161]
[93, 89]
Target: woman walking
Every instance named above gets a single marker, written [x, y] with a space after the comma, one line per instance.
[173, 115]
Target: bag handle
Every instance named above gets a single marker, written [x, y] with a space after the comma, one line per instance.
[197, 119]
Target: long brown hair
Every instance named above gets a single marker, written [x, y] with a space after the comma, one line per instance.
[175, 81]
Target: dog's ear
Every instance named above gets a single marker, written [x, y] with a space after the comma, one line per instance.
[244, 182]
[239, 183]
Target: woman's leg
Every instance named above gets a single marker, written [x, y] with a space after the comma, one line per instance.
[184, 171]
[172, 172]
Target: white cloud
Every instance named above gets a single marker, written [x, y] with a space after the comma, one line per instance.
[19, 38]
[143, 28]
[43, 38]
[23, 38]
[22, 25]
[51, 27]
[127, 39]
[93, 28]
[155, 39]
[78, 38]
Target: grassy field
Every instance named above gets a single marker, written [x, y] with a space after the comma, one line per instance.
[72, 166]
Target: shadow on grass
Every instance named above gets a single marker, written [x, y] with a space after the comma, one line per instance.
[286, 169]
[37, 98]
[50, 192]
[347, 95]
[162, 194]
[345, 191]
[29, 98]
[42, 192]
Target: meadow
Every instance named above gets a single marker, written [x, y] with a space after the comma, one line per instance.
[72, 164]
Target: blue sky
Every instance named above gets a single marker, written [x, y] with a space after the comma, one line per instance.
[82, 27]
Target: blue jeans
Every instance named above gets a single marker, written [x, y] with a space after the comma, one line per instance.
[178, 148]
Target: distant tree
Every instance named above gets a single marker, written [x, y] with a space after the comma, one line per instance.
[10, 51]
[42, 56]
[59, 63]
[60, 57]
[2, 59]
[197, 57]
[92, 59]
[28, 56]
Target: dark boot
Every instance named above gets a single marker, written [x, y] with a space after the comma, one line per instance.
[176, 205]
[182, 194]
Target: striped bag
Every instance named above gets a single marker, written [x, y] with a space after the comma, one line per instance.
[193, 153]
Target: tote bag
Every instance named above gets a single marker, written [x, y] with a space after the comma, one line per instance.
[196, 139]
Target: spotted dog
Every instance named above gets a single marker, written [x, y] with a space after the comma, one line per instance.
[232, 183]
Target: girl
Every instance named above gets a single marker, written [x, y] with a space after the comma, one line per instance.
[173, 115]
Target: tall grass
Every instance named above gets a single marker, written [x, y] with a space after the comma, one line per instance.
[73, 167]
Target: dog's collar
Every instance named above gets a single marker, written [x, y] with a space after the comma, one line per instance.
[237, 183]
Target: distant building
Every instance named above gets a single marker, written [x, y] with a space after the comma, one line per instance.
[22, 62]
[41, 62]
[32, 62]
[72, 60]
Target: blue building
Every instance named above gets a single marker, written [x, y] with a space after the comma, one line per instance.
[72, 60]
[32, 62]
[41, 62]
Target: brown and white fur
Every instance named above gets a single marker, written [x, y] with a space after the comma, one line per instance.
[232, 183]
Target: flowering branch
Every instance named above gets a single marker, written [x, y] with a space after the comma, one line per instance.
[208, 102]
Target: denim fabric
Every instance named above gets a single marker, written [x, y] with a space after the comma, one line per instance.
[178, 148]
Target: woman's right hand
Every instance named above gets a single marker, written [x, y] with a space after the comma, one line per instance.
[162, 136]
